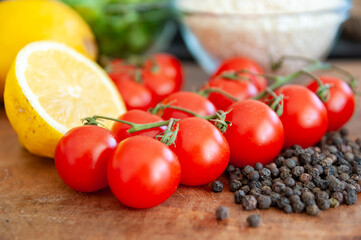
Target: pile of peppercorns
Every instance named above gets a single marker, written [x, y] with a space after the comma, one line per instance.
[301, 180]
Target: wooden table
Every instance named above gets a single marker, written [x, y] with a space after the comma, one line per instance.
[36, 204]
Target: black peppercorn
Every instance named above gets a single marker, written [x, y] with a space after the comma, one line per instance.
[344, 176]
[267, 182]
[230, 169]
[289, 182]
[305, 177]
[258, 166]
[278, 187]
[238, 195]
[298, 170]
[338, 196]
[294, 198]
[221, 213]
[264, 173]
[275, 172]
[247, 169]
[288, 153]
[312, 210]
[266, 190]
[217, 186]
[323, 204]
[350, 197]
[255, 184]
[298, 206]
[314, 172]
[253, 175]
[263, 201]
[310, 185]
[305, 158]
[287, 208]
[288, 192]
[253, 220]
[245, 189]
[249, 202]
[255, 192]
[308, 198]
[234, 185]
[282, 202]
[274, 198]
[289, 163]
[272, 165]
[336, 185]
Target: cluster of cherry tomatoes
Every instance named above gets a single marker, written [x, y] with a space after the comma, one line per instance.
[143, 172]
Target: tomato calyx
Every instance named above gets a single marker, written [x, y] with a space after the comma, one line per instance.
[170, 134]
[218, 118]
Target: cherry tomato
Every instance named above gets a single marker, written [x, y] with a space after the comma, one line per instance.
[304, 116]
[202, 150]
[143, 172]
[163, 75]
[153, 79]
[256, 133]
[240, 63]
[188, 100]
[81, 157]
[238, 89]
[137, 116]
[135, 95]
[341, 104]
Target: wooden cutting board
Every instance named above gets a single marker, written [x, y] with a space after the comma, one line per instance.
[36, 204]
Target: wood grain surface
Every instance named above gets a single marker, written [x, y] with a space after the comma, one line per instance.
[36, 204]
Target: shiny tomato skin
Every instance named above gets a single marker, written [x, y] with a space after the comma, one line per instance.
[256, 133]
[135, 95]
[304, 116]
[188, 100]
[137, 116]
[81, 157]
[240, 63]
[341, 105]
[238, 89]
[202, 150]
[143, 172]
[166, 78]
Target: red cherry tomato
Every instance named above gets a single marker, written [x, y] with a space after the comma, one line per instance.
[188, 100]
[160, 75]
[135, 95]
[256, 133]
[137, 116]
[163, 75]
[304, 116]
[81, 157]
[341, 104]
[240, 63]
[238, 89]
[143, 172]
[202, 150]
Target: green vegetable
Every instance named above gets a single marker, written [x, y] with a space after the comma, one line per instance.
[124, 27]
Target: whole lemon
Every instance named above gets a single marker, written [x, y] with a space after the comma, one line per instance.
[25, 21]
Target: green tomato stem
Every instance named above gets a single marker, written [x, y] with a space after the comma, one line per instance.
[205, 92]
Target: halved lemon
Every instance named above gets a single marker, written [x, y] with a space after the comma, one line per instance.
[49, 89]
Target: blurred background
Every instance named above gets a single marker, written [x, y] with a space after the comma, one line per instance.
[186, 28]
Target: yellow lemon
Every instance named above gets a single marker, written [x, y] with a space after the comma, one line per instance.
[50, 88]
[25, 21]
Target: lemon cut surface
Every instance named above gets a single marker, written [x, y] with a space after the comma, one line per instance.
[50, 88]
